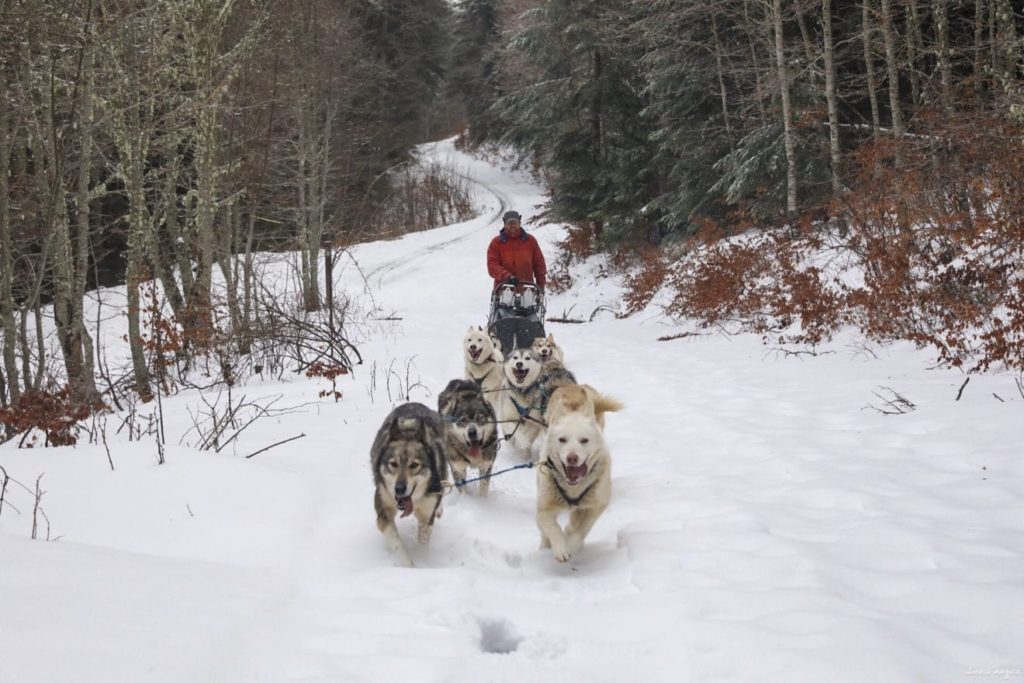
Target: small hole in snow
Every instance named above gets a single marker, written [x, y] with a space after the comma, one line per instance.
[498, 637]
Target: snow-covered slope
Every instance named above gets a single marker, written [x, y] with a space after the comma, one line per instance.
[766, 525]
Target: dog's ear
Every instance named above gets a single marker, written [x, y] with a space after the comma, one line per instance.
[551, 338]
[479, 328]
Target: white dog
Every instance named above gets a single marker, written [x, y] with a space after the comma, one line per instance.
[483, 362]
[574, 476]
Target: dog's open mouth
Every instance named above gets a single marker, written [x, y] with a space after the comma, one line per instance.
[474, 353]
[405, 505]
[475, 447]
[545, 353]
[520, 374]
[575, 473]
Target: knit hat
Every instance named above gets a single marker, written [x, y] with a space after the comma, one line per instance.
[511, 216]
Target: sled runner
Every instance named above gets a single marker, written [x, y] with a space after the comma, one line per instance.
[517, 314]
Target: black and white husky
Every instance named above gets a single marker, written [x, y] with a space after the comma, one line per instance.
[525, 390]
[410, 470]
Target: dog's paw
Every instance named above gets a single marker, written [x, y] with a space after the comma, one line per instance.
[561, 552]
[423, 536]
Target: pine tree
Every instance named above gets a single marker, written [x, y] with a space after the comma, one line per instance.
[473, 77]
[410, 39]
[583, 116]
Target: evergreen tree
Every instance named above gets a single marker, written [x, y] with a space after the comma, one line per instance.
[583, 116]
[473, 77]
[410, 40]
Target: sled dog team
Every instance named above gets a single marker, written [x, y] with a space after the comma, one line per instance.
[546, 418]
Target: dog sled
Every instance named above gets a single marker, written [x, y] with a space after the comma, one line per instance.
[517, 315]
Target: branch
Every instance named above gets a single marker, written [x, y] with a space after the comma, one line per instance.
[274, 444]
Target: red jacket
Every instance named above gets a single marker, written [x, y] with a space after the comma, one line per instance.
[520, 257]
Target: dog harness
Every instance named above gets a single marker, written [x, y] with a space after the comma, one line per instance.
[573, 502]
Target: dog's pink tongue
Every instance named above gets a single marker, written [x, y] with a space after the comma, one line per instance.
[474, 450]
[575, 472]
[405, 505]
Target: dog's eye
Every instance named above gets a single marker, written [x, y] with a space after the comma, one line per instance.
[562, 439]
[393, 464]
[584, 440]
[414, 466]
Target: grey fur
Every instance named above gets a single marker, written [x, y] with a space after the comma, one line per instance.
[408, 456]
[468, 414]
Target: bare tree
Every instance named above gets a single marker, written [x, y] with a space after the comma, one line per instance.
[892, 66]
[789, 136]
[830, 95]
[867, 29]
[7, 322]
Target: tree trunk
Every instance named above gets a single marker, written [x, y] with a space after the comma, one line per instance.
[27, 380]
[979, 38]
[84, 387]
[720, 68]
[177, 252]
[942, 45]
[228, 271]
[200, 305]
[914, 51]
[789, 138]
[893, 75]
[830, 95]
[7, 322]
[248, 275]
[869, 68]
[134, 149]
[808, 44]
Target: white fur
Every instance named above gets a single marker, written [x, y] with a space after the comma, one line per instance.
[574, 439]
[483, 362]
[524, 391]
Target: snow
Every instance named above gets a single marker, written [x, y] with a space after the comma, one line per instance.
[766, 524]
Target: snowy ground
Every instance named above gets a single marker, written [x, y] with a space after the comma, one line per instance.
[766, 525]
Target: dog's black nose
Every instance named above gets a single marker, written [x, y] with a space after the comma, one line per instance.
[572, 459]
[472, 433]
[400, 489]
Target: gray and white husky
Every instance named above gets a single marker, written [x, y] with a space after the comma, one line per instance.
[526, 387]
[482, 355]
[472, 440]
[410, 470]
[547, 349]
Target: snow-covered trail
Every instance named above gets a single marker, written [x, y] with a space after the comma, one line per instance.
[765, 525]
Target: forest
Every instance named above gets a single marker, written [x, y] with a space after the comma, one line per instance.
[786, 166]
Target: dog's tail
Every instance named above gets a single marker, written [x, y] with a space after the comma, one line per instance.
[602, 404]
[606, 404]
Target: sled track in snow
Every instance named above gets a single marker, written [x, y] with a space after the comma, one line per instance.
[383, 269]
